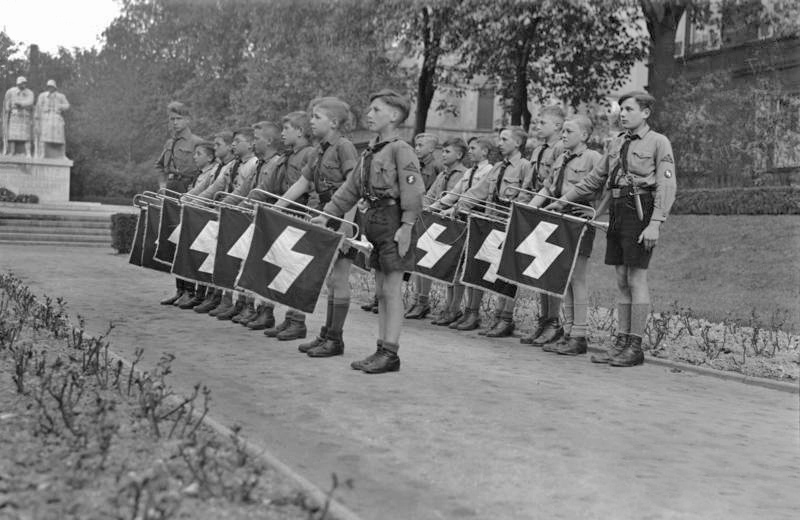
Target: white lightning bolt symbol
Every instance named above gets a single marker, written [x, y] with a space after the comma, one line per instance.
[490, 252]
[175, 235]
[242, 246]
[206, 242]
[435, 250]
[291, 262]
[543, 252]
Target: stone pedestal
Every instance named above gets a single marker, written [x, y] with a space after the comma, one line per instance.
[47, 178]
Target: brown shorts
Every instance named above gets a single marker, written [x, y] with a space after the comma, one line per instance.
[622, 239]
[380, 226]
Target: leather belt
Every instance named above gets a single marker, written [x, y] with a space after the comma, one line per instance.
[629, 191]
[382, 203]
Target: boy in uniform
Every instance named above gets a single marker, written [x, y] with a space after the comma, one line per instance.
[548, 132]
[424, 146]
[388, 179]
[497, 188]
[478, 154]
[283, 173]
[639, 169]
[177, 171]
[570, 168]
[453, 153]
[334, 160]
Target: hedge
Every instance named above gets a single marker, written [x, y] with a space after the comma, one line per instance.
[123, 227]
[765, 200]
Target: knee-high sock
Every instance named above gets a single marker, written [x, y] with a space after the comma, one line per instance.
[623, 317]
[329, 313]
[639, 314]
[458, 296]
[569, 311]
[339, 314]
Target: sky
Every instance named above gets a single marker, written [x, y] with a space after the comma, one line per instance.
[54, 23]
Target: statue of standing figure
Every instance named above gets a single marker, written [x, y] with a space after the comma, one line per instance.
[50, 137]
[17, 117]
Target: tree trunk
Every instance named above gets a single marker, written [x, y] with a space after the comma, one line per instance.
[520, 115]
[426, 84]
[662, 19]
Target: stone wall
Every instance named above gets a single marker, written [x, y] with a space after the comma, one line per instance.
[46, 178]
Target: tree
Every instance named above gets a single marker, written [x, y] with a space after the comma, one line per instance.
[576, 51]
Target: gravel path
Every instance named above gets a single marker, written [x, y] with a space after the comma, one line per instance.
[469, 428]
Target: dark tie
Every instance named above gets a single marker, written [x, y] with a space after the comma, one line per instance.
[259, 164]
[471, 176]
[366, 164]
[234, 173]
[537, 180]
[623, 157]
[324, 146]
[506, 164]
[560, 177]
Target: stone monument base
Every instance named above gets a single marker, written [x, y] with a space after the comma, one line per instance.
[47, 178]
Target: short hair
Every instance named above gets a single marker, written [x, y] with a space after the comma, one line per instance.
[518, 134]
[458, 144]
[273, 129]
[208, 146]
[553, 110]
[642, 98]
[246, 132]
[299, 120]
[583, 122]
[177, 108]
[395, 100]
[427, 136]
[334, 108]
[225, 135]
[484, 142]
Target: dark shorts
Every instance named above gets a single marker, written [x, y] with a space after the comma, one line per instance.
[380, 225]
[622, 246]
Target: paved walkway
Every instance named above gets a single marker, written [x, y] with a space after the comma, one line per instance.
[469, 428]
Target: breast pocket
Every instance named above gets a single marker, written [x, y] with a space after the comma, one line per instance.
[330, 173]
[641, 163]
[383, 174]
[510, 182]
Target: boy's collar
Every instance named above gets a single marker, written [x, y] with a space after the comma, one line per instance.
[391, 134]
[331, 138]
[578, 150]
[642, 130]
[514, 158]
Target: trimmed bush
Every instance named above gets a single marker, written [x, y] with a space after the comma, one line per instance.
[123, 227]
[765, 200]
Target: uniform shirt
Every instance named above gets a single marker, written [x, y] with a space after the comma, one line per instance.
[430, 168]
[394, 174]
[516, 173]
[445, 181]
[542, 159]
[286, 169]
[470, 178]
[176, 158]
[331, 164]
[265, 176]
[242, 179]
[578, 166]
[206, 178]
[221, 182]
[650, 165]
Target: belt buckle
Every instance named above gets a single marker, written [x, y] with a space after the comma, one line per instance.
[616, 193]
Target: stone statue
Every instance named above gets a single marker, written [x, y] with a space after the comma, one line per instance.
[17, 117]
[49, 122]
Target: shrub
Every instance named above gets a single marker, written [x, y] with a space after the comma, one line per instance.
[123, 227]
[765, 200]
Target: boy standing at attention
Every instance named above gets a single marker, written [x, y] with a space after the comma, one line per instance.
[548, 131]
[639, 169]
[388, 179]
[570, 168]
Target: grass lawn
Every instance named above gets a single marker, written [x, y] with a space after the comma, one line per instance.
[719, 266]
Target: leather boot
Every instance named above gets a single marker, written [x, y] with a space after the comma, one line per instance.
[552, 332]
[296, 329]
[572, 347]
[234, 310]
[225, 304]
[418, 311]
[185, 297]
[211, 302]
[361, 363]
[333, 346]
[247, 314]
[619, 345]
[471, 321]
[459, 321]
[503, 329]
[172, 299]
[382, 361]
[319, 340]
[449, 317]
[192, 303]
[265, 319]
[528, 340]
[369, 305]
[553, 346]
[631, 355]
[495, 322]
[274, 331]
